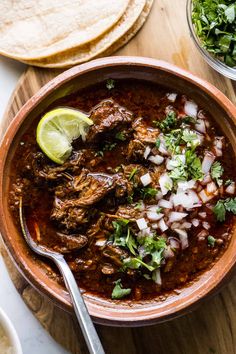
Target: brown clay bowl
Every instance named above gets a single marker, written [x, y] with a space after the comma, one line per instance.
[34, 270]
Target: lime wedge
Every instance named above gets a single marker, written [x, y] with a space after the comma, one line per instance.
[58, 128]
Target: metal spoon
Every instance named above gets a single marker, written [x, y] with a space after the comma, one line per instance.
[86, 324]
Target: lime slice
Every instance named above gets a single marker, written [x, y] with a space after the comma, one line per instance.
[58, 128]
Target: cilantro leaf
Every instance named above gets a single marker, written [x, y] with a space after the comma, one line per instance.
[211, 240]
[133, 172]
[130, 243]
[148, 192]
[216, 172]
[230, 205]
[194, 165]
[118, 292]
[168, 123]
[222, 206]
[135, 263]
[120, 136]
[219, 210]
[110, 84]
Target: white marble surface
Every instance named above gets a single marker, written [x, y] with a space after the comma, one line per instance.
[34, 339]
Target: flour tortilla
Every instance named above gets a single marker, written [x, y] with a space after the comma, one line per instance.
[33, 29]
[95, 48]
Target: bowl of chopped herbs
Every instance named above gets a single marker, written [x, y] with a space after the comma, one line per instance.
[212, 25]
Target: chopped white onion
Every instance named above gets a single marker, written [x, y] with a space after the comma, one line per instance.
[176, 216]
[175, 161]
[202, 215]
[100, 242]
[218, 145]
[211, 187]
[146, 179]
[156, 276]
[187, 200]
[231, 188]
[159, 195]
[154, 216]
[195, 222]
[206, 179]
[186, 225]
[168, 253]
[207, 162]
[163, 149]
[174, 242]
[166, 183]
[200, 126]
[171, 96]
[175, 225]
[186, 185]
[142, 224]
[147, 152]
[190, 108]
[162, 225]
[205, 197]
[166, 204]
[155, 226]
[145, 232]
[183, 236]
[156, 159]
[206, 225]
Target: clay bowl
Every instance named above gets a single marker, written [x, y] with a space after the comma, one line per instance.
[34, 270]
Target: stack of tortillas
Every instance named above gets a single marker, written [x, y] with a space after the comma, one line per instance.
[62, 33]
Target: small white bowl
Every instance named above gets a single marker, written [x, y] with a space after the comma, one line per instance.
[10, 331]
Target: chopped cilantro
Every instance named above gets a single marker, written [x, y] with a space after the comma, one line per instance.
[228, 182]
[216, 172]
[158, 143]
[118, 291]
[219, 210]
[148, 192]
[110, 84]
[191, 138]
[168, 123]
[158, 210]
[215, 26]
[120, 232]
[188, 119]
[138, 205]
[211, 241]
[130, 198]
[135, 263]
[222, 206]
[109, 146]
[133, 172]
[130, 242]
[194, 165]
[99, 153]
[120, 136]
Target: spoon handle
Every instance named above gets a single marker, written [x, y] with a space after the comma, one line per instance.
[86, 324]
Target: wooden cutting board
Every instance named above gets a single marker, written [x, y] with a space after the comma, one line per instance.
[212, 327]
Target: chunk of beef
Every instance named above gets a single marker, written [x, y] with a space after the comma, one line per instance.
[134, 172]
[42, 169]
[144, 133]
[136, 149]
[107, 116]
[108, 269]
[70, 218]
[70, 243]
[129, 212]
[115, 254]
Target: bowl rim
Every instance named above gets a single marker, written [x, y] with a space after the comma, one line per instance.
[10, 332]
[102, 314]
